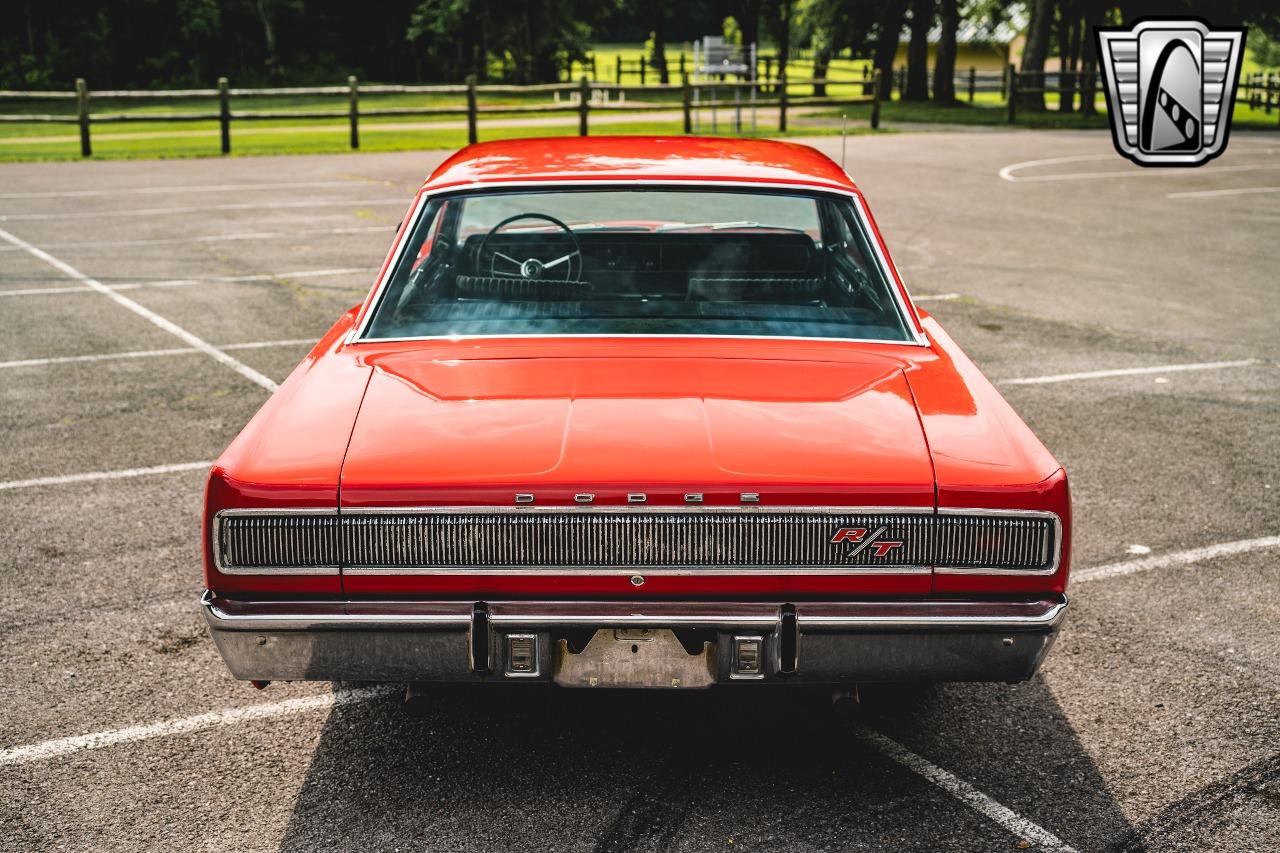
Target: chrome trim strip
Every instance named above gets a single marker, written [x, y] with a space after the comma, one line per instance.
[907, 311]
[1049, 619]
[303, 620]
[402, 239]
[628, 571]
[1007, 513]
[890, 272]
[511, 614]
[634, 620]
[513, 336]
[649, 509]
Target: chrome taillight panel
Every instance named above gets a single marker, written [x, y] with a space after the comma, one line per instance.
[616, 540]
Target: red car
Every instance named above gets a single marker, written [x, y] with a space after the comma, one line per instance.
[640, 413]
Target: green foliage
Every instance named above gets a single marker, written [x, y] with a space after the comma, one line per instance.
[731, 31]
[1266, 51]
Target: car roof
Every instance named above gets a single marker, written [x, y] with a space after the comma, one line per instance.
[640, 158]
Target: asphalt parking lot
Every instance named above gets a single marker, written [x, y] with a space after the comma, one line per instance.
[1128, 314]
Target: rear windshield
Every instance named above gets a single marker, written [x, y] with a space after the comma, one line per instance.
[638, 262]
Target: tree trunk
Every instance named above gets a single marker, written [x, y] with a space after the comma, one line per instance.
[747, 14]
[269, 36]
[1089, 59]
[1066, 101]
[659, 59]
[888, 32]
[1036, 51]
[944, 72]
[918, 51]
[780, 25]
[821, 63]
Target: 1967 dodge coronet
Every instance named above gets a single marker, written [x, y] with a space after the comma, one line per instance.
[638, 413]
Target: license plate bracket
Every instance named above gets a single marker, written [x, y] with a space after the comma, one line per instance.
[627, 658]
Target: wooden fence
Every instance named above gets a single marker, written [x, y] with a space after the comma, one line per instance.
[1066, 84]
[584, 97]
[1261, 91]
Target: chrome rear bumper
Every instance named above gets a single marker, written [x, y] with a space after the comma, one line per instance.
[816, 642]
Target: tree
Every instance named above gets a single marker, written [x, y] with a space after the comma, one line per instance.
[1037, 49]
[747, 14]
[815, 21]
[658, 56]
[944, 72]
[778, 20]
[918, 51]
[831, 26]
[888, 33]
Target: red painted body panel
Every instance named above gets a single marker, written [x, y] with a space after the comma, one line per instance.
[532, 424]
[802, 422]
[633, 158]
[290, 453]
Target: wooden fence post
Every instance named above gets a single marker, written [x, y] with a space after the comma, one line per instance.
[82, 107]
[782, 100]
[875, 100]
[594, 75]
[1004, 82]
[584, 104]
[643, 62]
[973, 80]
[472, 133]
[682, 71]
[617, 69]
[224, 114]
[686, 101]
[353, 88]
[1013, 94]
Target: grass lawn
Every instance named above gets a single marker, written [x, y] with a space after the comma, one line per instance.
[253, 140]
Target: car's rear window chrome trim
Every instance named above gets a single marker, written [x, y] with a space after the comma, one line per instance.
[898, 288]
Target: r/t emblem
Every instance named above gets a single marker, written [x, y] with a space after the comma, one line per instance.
[860, 540]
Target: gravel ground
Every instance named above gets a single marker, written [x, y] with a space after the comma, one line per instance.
[1153, 725]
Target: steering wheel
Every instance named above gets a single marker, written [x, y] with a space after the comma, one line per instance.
[567, 264]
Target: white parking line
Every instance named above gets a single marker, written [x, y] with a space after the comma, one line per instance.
[104, 475]
[146, 313]
[1175, 558]
[145, 353]
[948, 782]
[204, 208]
[188, 282]
[1216, 193]
[963, 791]
[213, 238]
[1007, 173]
[1128, 371]
[186, 725]
[936, 297]
[202, 188]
